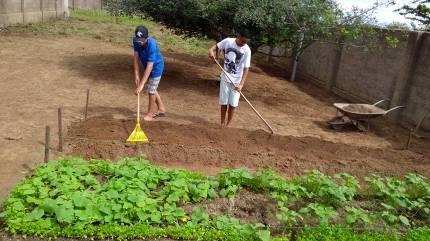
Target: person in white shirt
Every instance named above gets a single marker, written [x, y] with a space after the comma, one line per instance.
[237, 61]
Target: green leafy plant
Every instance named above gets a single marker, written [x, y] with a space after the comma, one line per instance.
[323, 213]
[134, 199]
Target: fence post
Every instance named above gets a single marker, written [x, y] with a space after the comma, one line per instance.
[60, 130]
[47, 140]
[86, 104]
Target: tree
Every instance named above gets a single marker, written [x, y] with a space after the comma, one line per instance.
[398, 26]
[419, 13]
[305, 22]
[296, 23]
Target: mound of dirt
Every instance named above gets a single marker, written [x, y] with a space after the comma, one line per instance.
[208, 148]
[248, 206]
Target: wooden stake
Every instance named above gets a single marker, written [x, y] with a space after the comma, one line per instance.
[414, 132]
[408, 143]
[86, 105]
[47, 140]
[60, 130]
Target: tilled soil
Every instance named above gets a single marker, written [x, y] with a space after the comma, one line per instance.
[208, 148]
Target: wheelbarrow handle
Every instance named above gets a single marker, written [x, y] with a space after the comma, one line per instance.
[379, 102]
[394, 108]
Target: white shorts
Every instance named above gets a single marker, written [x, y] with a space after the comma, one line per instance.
[227, 94]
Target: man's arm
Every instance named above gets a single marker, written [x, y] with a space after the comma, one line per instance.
[136, 68]
[212, 52]
[145, 77]
[243, 80]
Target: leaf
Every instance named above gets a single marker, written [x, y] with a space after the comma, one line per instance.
[18, 206]
[404, 220]
[263, 235]
[49, 205]
[28, 191]
[79, 200]
[304, 210]
[350, 219]
[223, 192]
[36, 214]
[392, 218]
[64, 215]
[127, 205]
[105, 209]
[212, 193]
[174, 197]
[179, 212]
[112, 194]
[155, 217]
[386, 206]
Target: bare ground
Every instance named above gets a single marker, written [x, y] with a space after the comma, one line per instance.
[40, 74]
[54, 72]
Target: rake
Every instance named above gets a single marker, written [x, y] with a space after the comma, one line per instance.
[138, 136]
[246, 99]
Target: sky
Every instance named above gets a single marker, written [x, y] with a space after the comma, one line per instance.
[384, 15]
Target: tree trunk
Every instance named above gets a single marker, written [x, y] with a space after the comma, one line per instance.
[297, 54]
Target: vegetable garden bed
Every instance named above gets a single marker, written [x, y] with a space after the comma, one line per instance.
[135, 199]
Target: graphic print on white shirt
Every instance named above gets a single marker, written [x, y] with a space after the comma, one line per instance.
[232, 59]
[235, 59]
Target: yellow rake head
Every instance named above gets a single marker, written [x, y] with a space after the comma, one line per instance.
[138, 136]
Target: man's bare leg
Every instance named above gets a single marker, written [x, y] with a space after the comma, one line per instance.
[231, 110]
[160, 105]
[223, 113]
[151, 107]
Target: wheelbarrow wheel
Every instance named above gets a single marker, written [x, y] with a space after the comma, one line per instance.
[362, 126]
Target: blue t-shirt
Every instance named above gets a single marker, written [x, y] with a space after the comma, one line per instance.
[151, 53]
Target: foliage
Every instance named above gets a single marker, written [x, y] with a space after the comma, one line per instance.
[398, 26]
[271, 22]
[418, 10]
[401, 200]
[134, 199]
[294, 23]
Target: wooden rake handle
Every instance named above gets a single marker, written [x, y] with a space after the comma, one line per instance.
[138, 108]
[246, 99]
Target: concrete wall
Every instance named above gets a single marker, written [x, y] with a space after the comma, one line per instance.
[418, 90]
[317, 60]
[86, 4]
[400, 75]
[28, 11]
[371, 75]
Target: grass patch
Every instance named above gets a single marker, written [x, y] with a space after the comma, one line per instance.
[118, 30]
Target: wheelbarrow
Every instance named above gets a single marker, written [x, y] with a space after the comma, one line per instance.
[357, 115]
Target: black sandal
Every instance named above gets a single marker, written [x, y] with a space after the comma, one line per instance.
[160, 115]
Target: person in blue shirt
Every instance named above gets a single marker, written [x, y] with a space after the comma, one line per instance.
[146, 50]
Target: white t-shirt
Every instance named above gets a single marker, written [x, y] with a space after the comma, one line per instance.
[235, 59]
